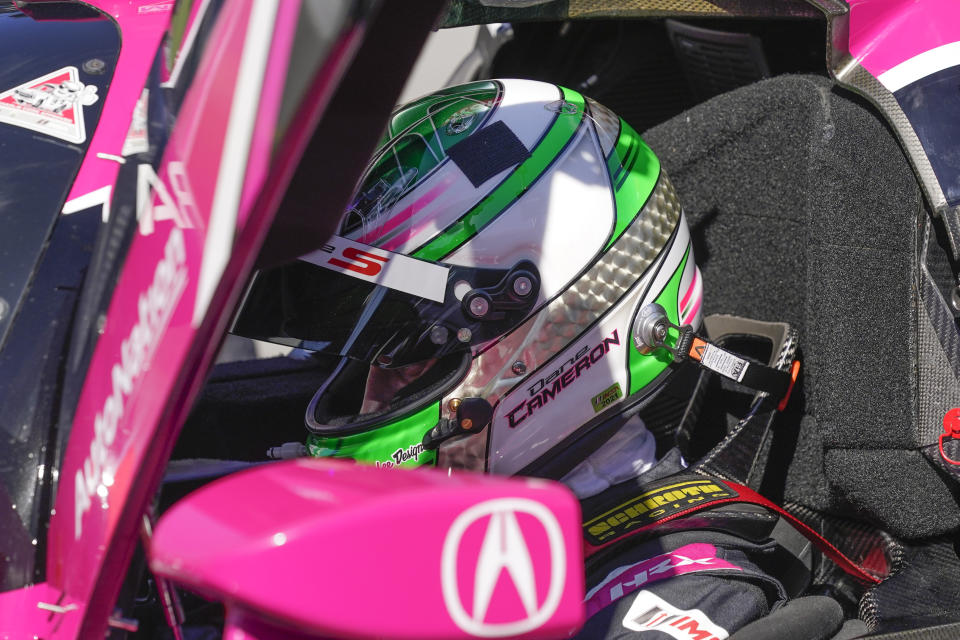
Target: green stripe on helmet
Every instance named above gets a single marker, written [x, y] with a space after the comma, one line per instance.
[645, 368]
[634, 169]
[397, 444]
[418, 135]
[557, 138]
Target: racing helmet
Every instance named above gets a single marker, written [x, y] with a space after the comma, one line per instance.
[489, 274]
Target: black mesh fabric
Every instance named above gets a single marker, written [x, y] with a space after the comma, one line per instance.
[804, 210]
[488, 152]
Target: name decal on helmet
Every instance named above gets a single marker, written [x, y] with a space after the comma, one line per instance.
[385, 268]
[543, 392]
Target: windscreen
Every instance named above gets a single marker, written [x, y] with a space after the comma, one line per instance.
[57, 63]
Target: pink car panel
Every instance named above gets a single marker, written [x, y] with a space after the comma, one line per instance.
[887, 33]
[142, 27]
[444, 556]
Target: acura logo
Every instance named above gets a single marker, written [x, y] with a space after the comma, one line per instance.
[503, 549]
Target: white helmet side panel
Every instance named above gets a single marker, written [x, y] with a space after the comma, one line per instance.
[576, 194]
[530, 419]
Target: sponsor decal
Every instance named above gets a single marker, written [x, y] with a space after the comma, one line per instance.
[155, 307]
[385, 268]
[51, 104]
[691, 558]
[136, 140]
[653, 505]
[159, 7]
[156, 202]
[502, 571]
[606, 397]
[549, 387]
[362, 262]
[401, 455]
[650, 612]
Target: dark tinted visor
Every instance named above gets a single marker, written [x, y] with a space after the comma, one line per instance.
[303, 305]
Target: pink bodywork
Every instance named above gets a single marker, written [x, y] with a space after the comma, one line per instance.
[182, 275]
[346, 550]
[136, 393]
[885, 33]
[148, 364]
[141, 25]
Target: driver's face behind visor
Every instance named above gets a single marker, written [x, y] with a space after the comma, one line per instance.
[383, 384]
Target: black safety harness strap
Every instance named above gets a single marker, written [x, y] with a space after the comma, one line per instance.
[776, 383]
[652, 331]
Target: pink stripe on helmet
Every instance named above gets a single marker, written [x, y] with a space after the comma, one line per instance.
[693, 284]
[406, 214]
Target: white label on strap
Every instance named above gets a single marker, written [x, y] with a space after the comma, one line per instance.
[724, 362]
[385, 268]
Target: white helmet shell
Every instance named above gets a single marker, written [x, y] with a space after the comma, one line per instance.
[545, 224]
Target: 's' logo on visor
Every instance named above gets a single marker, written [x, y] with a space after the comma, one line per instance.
[385, 268]
[362, 262]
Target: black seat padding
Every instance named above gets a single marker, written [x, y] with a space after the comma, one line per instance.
[804, 209]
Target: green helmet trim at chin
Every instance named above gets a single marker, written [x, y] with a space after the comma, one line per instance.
[396, 444]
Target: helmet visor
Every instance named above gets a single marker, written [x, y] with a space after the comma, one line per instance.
[331, 312]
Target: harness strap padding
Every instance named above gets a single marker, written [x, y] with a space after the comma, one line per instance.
[678, 496]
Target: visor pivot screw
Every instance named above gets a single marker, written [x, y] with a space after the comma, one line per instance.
[522, 286]
[479, 306]
[454, 404]
[464, 335]
[461, 288]
[518, 368]
[439, 335]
